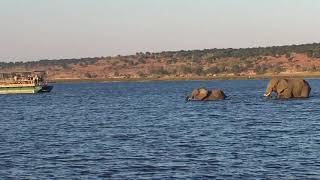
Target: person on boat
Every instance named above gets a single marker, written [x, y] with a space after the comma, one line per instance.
[35, 79]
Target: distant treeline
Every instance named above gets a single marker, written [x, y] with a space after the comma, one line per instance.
[311, 50]
[46, 62]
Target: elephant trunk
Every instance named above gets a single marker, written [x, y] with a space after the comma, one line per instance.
[268, 90]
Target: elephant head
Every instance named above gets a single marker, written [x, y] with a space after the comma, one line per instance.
[273, 86]
[288, 88]
[202, 94]
[199, 94]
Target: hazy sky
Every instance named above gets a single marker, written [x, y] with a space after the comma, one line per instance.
[41, 29]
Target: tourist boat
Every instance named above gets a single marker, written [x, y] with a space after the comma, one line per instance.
[23, 82]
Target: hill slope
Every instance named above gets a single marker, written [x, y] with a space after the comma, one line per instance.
[293, 59]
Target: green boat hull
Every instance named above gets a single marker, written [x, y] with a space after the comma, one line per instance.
[20, 90]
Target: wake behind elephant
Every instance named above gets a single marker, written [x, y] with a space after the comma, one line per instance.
[202, 94]
[288, 88]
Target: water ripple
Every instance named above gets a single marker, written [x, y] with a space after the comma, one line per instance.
[147, 131]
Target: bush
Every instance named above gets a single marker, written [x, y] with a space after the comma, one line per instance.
[186, 69]
[159, 71]
[198, 70]
[236, 69]
[278, 69]
[213, 70]
[261, 69]
[141, 74]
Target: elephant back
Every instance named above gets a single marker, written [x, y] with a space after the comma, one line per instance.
[218, 94]
[200, 93]
[306, 84]
[301, 88]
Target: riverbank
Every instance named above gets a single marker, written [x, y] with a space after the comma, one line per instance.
[198, 78]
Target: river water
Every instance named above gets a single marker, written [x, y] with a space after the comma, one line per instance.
[145, 130]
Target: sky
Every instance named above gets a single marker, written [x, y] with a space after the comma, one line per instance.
[54, 29]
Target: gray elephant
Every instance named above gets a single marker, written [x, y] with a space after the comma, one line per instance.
[202, 94]
[288, 88]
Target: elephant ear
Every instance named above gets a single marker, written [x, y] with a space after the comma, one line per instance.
[203, 93]
[282, 85]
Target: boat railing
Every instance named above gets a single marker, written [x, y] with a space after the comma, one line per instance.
[22, 81]
[17, 83]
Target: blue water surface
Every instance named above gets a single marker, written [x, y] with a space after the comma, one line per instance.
[146, 130]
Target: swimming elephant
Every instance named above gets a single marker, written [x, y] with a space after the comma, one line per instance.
[202, 94]
[288, 88]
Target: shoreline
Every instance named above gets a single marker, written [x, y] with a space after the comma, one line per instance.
[218, 78]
